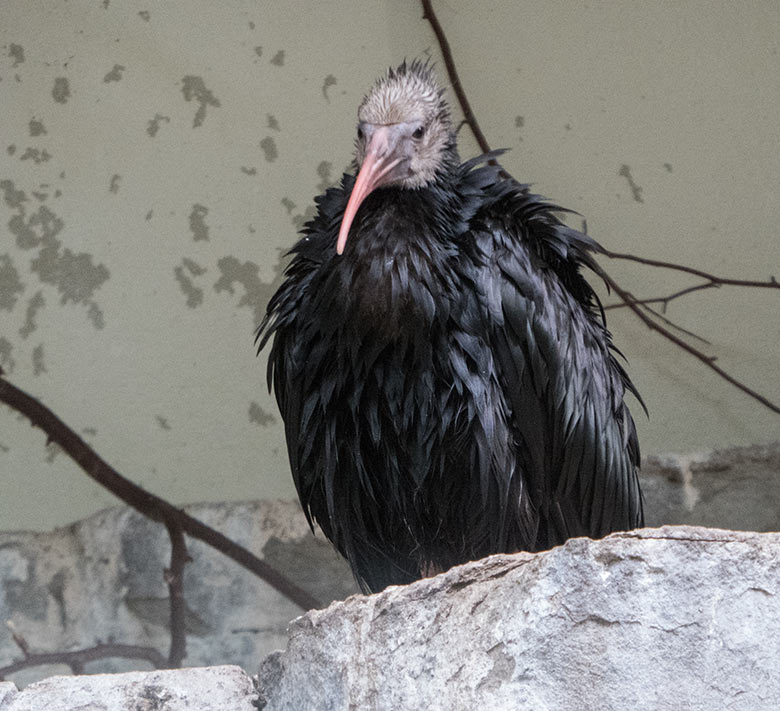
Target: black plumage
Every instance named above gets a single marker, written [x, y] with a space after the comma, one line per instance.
[447, 383]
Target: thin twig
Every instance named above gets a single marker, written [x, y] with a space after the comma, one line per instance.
[665, 300]
[770, 283]
[627, 298]
[671, 323]
[709, 361]
[174, 576]
[78, 658]
[452, 72]
[141, 500]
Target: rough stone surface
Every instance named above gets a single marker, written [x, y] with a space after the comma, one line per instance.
[658, 619]
[205, 689]
[735, 488]
[103, 579]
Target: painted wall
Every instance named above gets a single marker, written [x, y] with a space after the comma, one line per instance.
[156, 159]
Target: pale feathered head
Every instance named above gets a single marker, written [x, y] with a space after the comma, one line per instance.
[404, 136]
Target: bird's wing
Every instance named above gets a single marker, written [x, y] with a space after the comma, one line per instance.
[576, 441]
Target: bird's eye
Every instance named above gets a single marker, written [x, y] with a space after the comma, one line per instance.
[360, 134]
[419, 132]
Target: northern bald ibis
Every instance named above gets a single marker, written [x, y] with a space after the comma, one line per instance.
[447, 382]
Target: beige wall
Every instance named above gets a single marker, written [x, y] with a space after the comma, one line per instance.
[156, 159]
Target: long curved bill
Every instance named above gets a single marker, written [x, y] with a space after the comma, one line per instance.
[379, 161]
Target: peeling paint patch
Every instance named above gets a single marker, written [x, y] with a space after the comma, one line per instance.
[324, 170]
[193, 267]
[10, 283]
[278, 59]
[163, 422]
[61, 90]
[12, 197]
[95, 314]
[145, 15]
[41, 227]
[330, 81]
[193, 293]
[273, 124]
[36, 155]
[115, 74]
[258, 415]
[636, 190]
[6, 359]
[16, 52]
[269, 149]
[74, 275]
[114, 184]
[36, 128]
[246, 274]
[37, 360]
[195, 89]
[35, 304]
[300, 220]
[248, 171]
[198, 226]
[153, 126]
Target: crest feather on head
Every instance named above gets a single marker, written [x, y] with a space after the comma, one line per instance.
[410, 92]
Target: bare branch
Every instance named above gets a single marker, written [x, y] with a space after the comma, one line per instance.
[628, 299]
[174, 576]
[770, 283]
[141, 500]
[78, 658]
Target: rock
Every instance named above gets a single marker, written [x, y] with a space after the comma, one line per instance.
[735, 488]
[203, 689]
[656, 619]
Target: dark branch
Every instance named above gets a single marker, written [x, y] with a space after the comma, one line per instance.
[452, 72]
[142, 501]
[174, 576]
[78, 658]
[665, 300]
[709, 361]
[770, 283]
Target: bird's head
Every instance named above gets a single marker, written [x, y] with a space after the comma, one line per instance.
[404, 136]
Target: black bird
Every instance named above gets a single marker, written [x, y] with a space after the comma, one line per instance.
[448, 385]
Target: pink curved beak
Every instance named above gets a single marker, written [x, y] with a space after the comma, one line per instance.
[378, 163]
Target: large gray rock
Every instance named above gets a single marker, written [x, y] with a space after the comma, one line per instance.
[205, 689]
[656, 619]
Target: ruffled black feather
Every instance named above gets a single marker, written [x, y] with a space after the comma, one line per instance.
[448, 386]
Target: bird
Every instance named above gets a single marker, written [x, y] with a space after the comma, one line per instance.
[447, 382]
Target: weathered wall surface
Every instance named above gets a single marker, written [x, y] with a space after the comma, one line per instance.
[156, 159]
